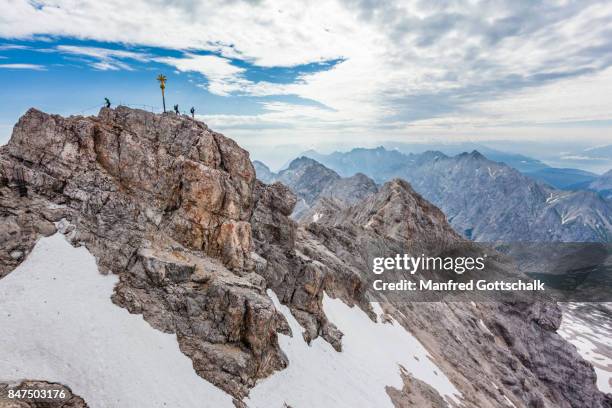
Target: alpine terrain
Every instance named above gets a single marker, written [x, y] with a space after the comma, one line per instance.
[484, 200]
[142, 264]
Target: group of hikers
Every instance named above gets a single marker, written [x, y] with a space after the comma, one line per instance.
[107, 103]
[162, 84]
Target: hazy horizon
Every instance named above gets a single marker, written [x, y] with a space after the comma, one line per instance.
[568, 154]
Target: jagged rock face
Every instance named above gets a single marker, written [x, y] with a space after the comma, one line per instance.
[512, 350]
[163, 202]
[67, 399]
[319, 189]
[398, 212]
[19, 228]
[193, 183]
[297, 281]
[275, 202]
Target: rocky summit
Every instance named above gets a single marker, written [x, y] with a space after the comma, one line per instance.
[174, 210]
[165, 203]
[320, 191]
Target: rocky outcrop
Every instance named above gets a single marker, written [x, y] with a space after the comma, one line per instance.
[177, 175]
[23, 221]
[54, 395]
[415, 393]
[504, 351]
[298, 281]
[165, 203]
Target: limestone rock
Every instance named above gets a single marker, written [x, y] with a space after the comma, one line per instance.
[65, 397]
[165, 203]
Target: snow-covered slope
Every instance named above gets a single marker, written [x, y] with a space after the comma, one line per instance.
[588, 326]
[370, 360]
[58, 324]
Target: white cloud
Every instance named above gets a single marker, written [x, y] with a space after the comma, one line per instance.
[224, 78]
[34, 67]
[104, 58]
[6, 47]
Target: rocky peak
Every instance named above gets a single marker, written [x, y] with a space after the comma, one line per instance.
[473, 155]
[398, 212]
[163, 202]
[302, 162]
[429, 155]
[173, 172]
[307, 177]
[263, 172]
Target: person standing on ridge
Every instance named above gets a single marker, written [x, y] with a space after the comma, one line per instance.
[192, 110]
[107, 102]
[176, 109]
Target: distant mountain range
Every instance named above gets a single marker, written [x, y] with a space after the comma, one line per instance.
[313, 183]
[561, 157]
[563, 178]
[483, 200]
[519, 161]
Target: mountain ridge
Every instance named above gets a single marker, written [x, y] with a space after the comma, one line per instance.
[198, 245]
[488, 201]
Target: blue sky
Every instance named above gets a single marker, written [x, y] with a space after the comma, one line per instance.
[281, 77]
[49, 76]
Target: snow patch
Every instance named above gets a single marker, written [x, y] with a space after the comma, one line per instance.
[59, 324]
[484, 327]
[370, 360]
[592, 337]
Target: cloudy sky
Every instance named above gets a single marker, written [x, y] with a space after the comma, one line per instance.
[279, 74]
